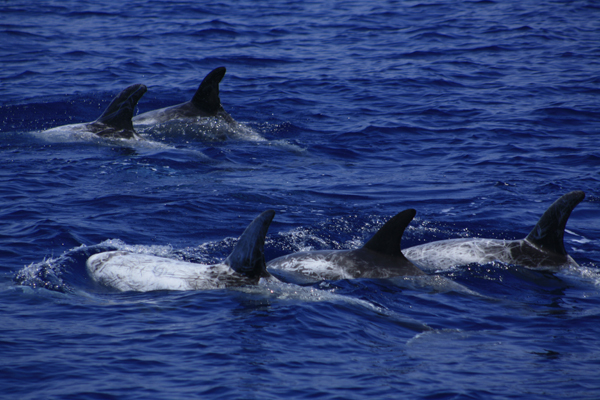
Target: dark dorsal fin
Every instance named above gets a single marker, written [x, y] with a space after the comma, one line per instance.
[119, 113]
[248, 257]
[548, 233]
[387, 239]
[207, 96]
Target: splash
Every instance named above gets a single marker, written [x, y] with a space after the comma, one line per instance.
[46, 274]
[581, 275]
[275, 289]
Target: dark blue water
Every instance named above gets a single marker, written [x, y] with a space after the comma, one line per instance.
[478, 114]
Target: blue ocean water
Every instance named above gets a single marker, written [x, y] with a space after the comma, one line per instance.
[478, 114]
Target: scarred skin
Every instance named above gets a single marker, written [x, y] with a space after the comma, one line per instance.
[115, 121]
[205, 103]
[380, 257]
[125, 271]
[542, 249]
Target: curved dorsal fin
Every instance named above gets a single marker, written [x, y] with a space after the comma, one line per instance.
[387, 239]
[548, 233]
[207, 96]
[248, 255]
[119, 112]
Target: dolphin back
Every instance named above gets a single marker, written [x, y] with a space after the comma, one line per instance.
[549, 232]
[248, 257]
[206, 97]
[387, 239]
[120, 111]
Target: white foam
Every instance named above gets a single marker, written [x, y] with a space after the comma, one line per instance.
[274, 288]
[581, 275]
[439, 284]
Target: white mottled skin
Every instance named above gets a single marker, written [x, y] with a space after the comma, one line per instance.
[445, 254]
[317, 265]
[91, 130]
[542, 249]
[344, 264]
[179, 111]
[126, 271]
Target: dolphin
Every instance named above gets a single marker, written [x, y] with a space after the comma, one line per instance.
[125, 271]
[543, 249]
[115, 121]
[205, 103]
[380, 257]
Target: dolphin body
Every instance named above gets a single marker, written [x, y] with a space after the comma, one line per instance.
[543, 249]
[125, 271]
[205, 103]
[380, 257]
[115, 121]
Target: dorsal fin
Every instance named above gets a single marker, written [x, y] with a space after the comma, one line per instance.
[248, 255]
[118, 114]
[207, 96]
[548, 233]
[387, 239]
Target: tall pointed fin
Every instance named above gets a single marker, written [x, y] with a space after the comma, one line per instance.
[207, 96]
[119, 113]
[248, 256]
[387, 239]
[548, 233]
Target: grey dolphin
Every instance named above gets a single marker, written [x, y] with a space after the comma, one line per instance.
[380, 257]
[205, 103]
[127, 271]
[115, 121]
[542, 249]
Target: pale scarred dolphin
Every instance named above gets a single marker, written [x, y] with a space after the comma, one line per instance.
[542, 249]
[380, 257]
[126, 271]
[205, 103]
[115, 121]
